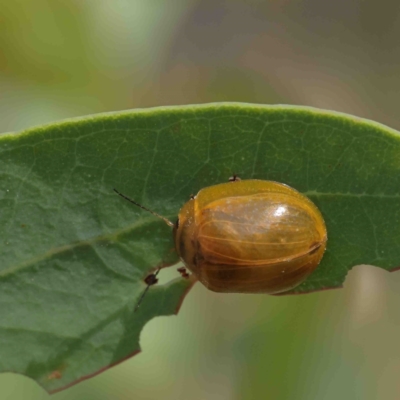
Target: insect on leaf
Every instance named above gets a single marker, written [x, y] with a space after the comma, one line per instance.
[74, 254]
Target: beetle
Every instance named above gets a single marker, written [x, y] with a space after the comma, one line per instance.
[249, 236]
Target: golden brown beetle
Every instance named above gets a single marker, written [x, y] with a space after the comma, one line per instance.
[249, 236]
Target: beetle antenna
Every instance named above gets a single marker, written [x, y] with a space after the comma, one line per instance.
[167, 221]
[150, 280]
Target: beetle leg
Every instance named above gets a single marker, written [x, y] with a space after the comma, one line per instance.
[234, 178]
[151, 280]
[183, 272]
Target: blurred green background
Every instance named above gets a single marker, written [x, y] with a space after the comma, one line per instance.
[65, 58]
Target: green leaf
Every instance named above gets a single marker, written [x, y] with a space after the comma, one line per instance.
[74, 254]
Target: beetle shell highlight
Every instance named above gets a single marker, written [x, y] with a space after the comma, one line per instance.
[250, 236]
